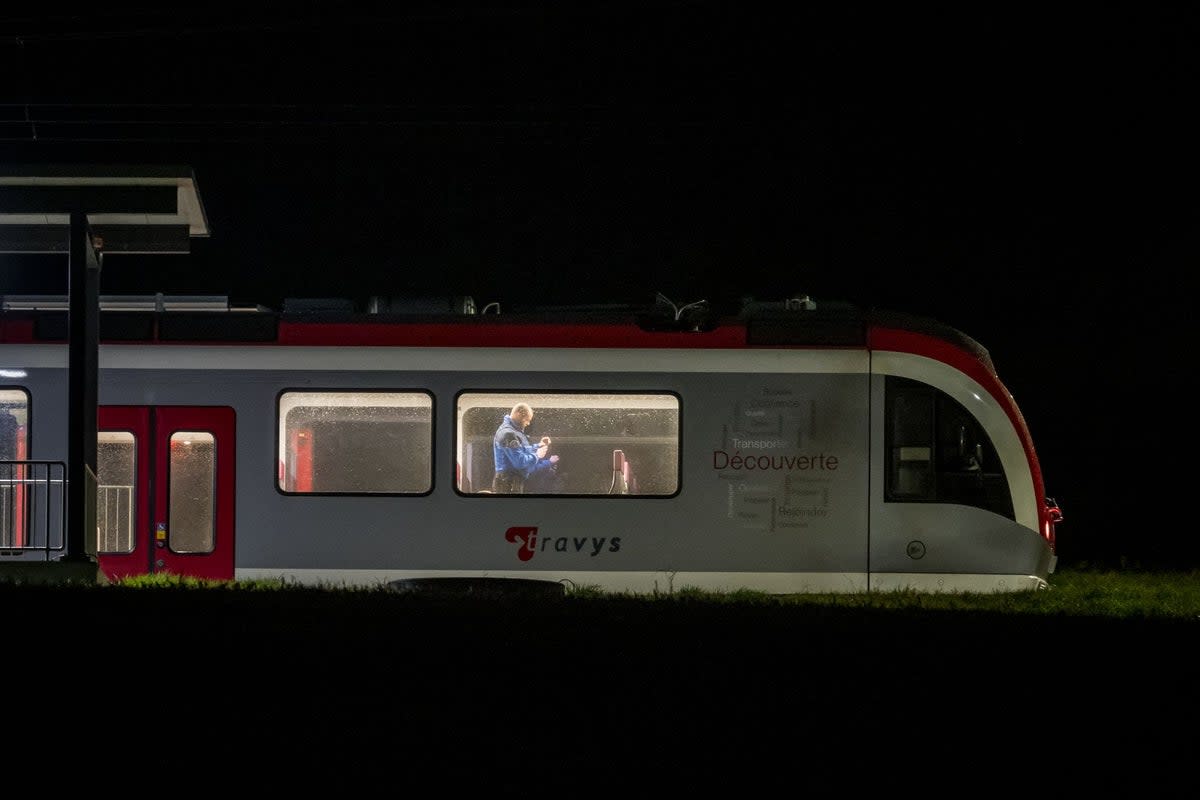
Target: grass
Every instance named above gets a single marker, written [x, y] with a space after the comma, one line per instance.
[1073, 592]
[597, 685]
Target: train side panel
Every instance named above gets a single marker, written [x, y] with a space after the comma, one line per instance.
[771, 470]
[784, 470]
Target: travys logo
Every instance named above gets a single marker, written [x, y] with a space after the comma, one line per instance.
[528, 544]
[525, 539]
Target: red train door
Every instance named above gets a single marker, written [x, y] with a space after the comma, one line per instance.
[165, 497]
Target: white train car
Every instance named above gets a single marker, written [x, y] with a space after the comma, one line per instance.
[791, 447]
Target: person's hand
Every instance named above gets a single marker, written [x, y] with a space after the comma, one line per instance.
[541, 451]
[553, 459]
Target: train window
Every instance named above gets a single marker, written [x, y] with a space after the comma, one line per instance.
[192, 486]
[600, 444]
[14, 448]
[938, 452]
[355, 442]
[115, 470]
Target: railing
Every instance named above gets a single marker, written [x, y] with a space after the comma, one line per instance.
[33, 509]
[114, 518]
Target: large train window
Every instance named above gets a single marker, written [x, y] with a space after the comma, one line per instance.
[610, 444]
[355, 442]
[938, 452]
[14, 476]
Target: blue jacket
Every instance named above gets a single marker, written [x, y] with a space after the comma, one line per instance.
[513, 451]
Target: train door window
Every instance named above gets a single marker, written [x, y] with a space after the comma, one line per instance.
[115, 471]
[610, 444]
[355, 442]
[192, 476]
[14, 475]
[938, 452]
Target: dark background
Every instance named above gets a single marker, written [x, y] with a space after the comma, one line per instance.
[1026, 178]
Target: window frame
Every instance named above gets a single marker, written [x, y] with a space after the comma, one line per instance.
[894, 386]
[279, 427]
[543, 392]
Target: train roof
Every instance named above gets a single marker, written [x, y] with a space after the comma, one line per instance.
[456, 321]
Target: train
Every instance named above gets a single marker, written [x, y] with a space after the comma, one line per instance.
[784, 446]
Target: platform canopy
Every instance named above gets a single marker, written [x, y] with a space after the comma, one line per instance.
[130, 209]
[85, 211]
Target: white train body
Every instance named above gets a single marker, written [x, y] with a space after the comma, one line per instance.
[786, 451]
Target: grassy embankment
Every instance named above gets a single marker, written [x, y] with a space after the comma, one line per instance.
[1075, 592]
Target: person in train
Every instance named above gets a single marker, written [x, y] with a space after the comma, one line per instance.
[516, 458]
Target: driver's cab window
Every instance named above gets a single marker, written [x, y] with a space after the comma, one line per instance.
[938, 452]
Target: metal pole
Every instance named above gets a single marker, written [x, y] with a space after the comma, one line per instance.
[84, 331]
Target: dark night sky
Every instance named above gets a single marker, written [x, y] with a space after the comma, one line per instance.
[1028, 179]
